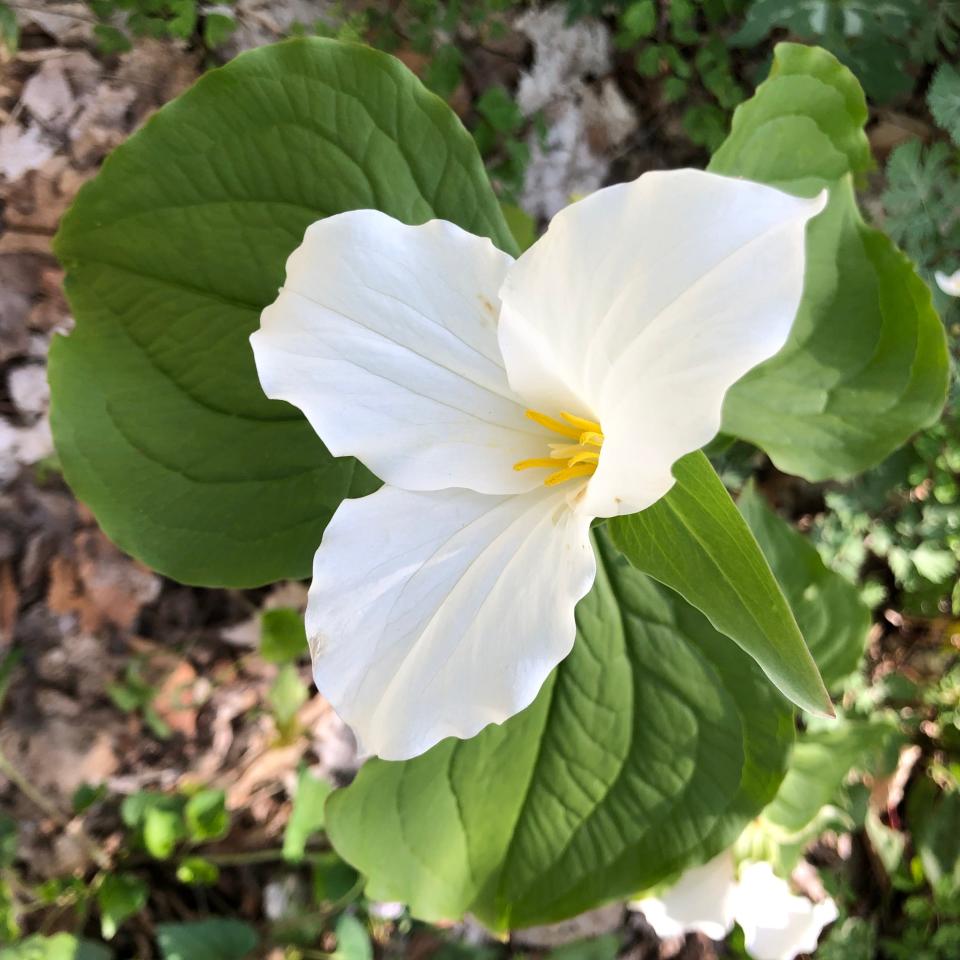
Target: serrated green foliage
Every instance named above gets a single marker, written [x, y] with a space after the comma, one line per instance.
[920, 201]
[944, 100]
[688, 540]
[683, 44]
[158, 416]
[833, 619]
[906, 512]
[866, 364]
[876, 40]
[585, 797]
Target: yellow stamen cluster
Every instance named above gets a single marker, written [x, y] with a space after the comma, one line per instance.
[567, 460]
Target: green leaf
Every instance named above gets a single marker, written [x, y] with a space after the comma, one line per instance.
[172, 252]
[86, 795]
[60, 946]
[353, 940]
[694, 541]
[9, 30]
[307, 816]
[819, 763]
[198, 872]
[522, 225]
[866, 363]
[283, 638]
[110, 39]
[216, 939]
[217, 29]
[648, 750]
[332, 878]
[639, 20]
[934, 820]
[120, 896]
[499, 109]
[206, 816]
[943, 97]
[287, 694]
[833, 619]
[598, 948]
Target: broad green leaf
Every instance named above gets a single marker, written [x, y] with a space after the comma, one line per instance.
[172, 252]
[60, 946]
[832, 617]
[120, 896]
[216, 939]
[694, 541]
[819, 763]
[866, 364]
[648, 749]
[307, 816]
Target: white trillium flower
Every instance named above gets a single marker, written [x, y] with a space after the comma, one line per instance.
[701, 901]
[950, 285]
[505, 404]
[777, 925]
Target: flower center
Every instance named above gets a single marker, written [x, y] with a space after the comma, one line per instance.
[567, 460]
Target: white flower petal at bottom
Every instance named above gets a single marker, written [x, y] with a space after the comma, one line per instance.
[949, 284]
[776, 924]
[434, 614]
[702, 900]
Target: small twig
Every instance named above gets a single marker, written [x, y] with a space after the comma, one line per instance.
[242, 859]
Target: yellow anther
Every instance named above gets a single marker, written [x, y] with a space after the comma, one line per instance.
[555, 425]
[568, 461]
[564, 451]
[536, 462]
[580, 423]
[569, 473]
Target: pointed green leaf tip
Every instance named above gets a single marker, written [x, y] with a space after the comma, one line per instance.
[695, 541]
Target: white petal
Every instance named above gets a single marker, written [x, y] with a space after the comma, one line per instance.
[434, 614]
[776, 924]
[384, 335]
[702, 900]
[950, 285]
[642, 305]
